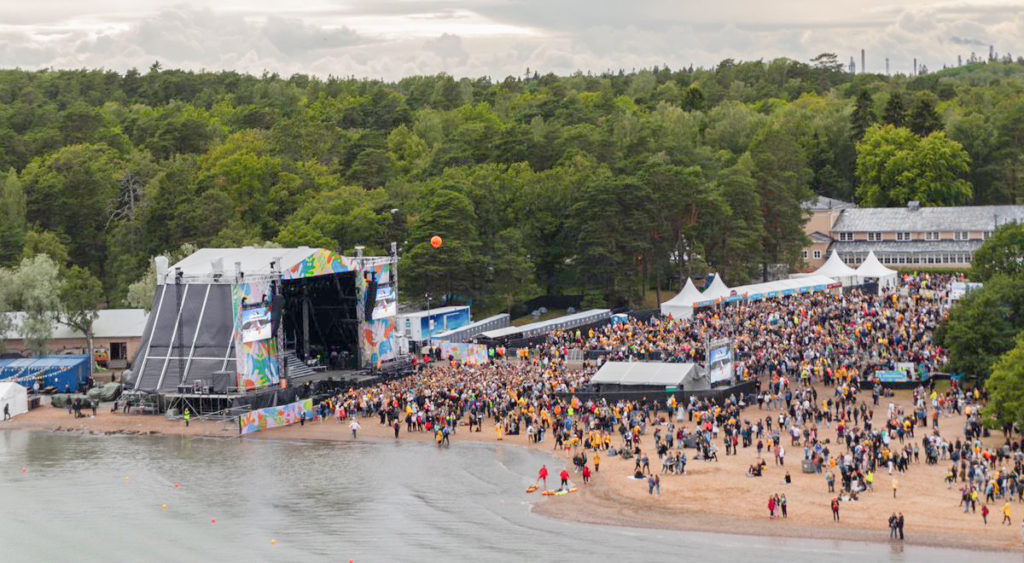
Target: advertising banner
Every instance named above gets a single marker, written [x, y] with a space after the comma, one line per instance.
[273, 417]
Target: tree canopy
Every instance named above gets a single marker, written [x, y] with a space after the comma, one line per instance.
[607, 185]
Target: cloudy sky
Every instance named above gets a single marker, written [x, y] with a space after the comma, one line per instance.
[394, 38]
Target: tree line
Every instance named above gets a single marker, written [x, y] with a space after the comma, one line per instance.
[609, 185]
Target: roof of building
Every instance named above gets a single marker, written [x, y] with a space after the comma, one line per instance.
[822, 203]
[906, 219]
[110, 323]
[819, 238]
[643, 373]
[862, 246]
[433, 312]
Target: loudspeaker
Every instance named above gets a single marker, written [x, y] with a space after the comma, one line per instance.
[276, 306]
[371, 295]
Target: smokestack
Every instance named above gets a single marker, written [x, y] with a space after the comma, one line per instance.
[959, 61]
[887, 66]
[863, 68]
[915, 66]
[991, 52]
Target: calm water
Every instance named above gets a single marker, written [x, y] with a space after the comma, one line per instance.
[381, 502]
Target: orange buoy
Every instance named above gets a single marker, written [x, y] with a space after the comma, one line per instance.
[435, 241]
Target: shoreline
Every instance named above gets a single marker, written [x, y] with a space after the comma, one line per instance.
[697, 502]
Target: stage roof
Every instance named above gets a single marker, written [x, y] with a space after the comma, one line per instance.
[292, 263]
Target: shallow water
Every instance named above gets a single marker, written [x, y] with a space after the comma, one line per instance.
[364, 501]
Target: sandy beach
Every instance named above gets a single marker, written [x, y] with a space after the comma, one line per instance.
[712, 496]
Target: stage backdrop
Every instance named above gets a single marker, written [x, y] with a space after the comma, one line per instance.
[256, 360]
[273, 417]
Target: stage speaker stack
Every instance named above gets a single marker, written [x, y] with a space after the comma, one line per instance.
[371, 296]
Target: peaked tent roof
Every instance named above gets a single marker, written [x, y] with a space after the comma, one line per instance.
[872, 268]
[835, 267]
[643, 373]
[716, 290]
[688, 296]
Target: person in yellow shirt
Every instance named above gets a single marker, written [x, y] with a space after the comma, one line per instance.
[1006, 514]
[895, 485]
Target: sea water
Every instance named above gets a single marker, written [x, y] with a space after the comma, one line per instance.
[102, 498]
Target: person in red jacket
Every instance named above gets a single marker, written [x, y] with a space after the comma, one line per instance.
[586, 474]
[542, 475]
[565, 479]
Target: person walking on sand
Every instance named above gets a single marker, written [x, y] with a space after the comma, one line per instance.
[657, 484]
[899, 525]
[397, 425]
[542, 475]
[564, 476]
[597, 463]
[354, 426]
[895, 486]
[783, 505]
[984, 514]
[188, 415]
[1006, 514]
[586, 474]
[771, 507]
[892, 526]
[7, 411]
[835, 509]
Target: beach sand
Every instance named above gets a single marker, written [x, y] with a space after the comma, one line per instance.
[712, 496]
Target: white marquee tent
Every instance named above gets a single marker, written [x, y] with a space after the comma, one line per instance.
[792, 286]
[681, 306]
[14, 397]
[872, 268]
[835, 268]
[717, 290]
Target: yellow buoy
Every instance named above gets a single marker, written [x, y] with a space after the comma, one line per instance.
[125, 478]
[273, 542]
[163, 506]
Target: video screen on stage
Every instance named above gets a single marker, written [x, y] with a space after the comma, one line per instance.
[256, 324]
[386, 304]
[720, 361]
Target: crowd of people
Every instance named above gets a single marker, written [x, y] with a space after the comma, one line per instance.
[809, 354]
[813, 337]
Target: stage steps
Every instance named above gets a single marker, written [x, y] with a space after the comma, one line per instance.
[297, 369]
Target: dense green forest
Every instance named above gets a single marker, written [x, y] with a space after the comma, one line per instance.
[606, 185]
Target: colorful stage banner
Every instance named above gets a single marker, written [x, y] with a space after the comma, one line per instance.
[473, 354]
[274, 417]
[256, 361]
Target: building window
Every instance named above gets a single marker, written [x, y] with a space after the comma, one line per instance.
[846, 236]
[902, 236]
[874, 237]
[934, 235]
[961, 235]
[985, 235]
[817, 255]
[805, 255]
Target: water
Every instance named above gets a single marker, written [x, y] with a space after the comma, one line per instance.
[365, 501]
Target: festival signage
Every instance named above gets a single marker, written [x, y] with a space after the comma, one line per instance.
[386, 305]
[274, 417]
[720, 360]
[890, 376]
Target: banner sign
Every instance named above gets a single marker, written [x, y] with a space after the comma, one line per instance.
[720, 360]
[891, 376]
[274, 417]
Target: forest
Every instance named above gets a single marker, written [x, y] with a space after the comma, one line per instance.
[610, 186]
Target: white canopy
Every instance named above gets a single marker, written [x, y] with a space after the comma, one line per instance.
[681, 306]
[803, 284]
[872, 268]
[836, 268]
[644, 373]
[717, 290]
[13, 397]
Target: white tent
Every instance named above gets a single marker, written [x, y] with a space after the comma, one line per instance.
[836, 269]
[13, 397]
[806, 284]
[717, 290]
[872, 268]
[681, 306]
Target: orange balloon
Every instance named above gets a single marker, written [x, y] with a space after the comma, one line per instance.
[435, 241]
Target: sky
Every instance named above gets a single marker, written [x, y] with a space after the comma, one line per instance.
[390, 39]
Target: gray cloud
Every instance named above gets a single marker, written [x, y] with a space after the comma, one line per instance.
[393, 38]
